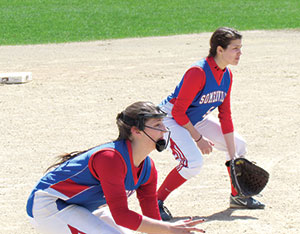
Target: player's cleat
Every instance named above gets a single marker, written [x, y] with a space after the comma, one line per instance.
[237, 202]
[165, 214]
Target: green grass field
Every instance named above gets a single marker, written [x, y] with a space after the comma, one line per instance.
[55, 21]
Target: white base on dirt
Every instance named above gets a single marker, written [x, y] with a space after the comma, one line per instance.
[15, 77]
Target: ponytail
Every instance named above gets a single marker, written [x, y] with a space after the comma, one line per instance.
[65, 157]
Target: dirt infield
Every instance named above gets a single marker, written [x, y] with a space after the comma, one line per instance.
[78, 88]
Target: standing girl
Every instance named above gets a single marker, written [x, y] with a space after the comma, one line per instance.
[72, 197]
[204, 87]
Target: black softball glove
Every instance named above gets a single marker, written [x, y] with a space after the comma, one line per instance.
[247, 178]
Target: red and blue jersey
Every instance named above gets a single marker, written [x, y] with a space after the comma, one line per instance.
[76, 182]
[203, 88]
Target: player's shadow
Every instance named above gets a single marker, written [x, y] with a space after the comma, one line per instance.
[224, 215]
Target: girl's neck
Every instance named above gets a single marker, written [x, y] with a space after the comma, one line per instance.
[139, 153]
[219, 61]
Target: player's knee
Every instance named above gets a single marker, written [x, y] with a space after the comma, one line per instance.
[192, 170]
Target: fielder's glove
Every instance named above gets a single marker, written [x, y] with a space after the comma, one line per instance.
[247, 178]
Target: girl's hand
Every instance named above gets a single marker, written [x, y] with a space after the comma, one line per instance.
[187, 226]
[205, 145]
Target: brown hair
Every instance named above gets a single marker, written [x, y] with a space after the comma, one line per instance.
[222, 37]
[132, 111]
[65, 157]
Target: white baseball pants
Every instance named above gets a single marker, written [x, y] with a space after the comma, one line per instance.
[186, 151]
[73, 219]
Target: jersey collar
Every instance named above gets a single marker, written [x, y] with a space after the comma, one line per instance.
[217, 72]
[136, 171]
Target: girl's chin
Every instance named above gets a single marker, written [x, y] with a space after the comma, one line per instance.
[235, 62]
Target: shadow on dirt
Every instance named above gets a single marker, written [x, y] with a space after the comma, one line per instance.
[224, 215]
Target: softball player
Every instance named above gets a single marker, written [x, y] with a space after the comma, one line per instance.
[205, 86]
[71, 198]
